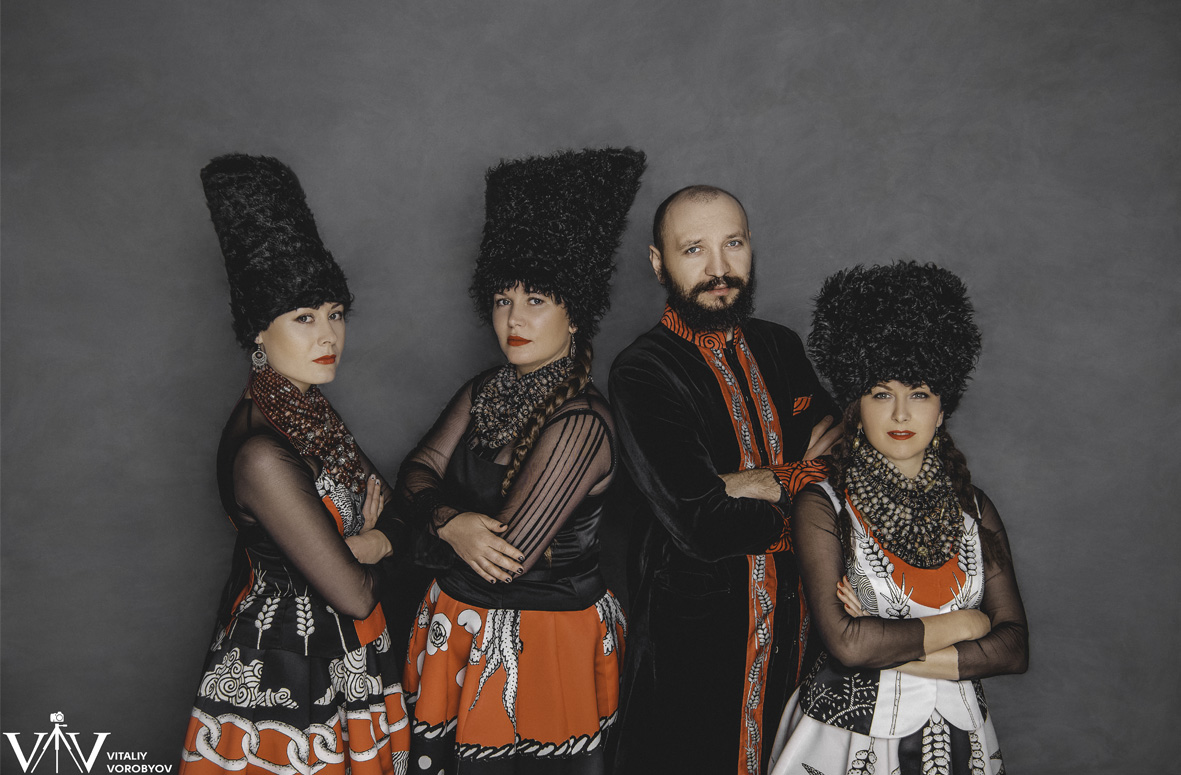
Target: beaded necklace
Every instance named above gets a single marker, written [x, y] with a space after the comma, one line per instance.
[506, 401]
[917, 520]
[310, 424]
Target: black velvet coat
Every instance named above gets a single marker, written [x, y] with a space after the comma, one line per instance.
[689, 572]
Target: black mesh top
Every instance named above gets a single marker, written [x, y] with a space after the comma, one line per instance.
[873, 642]
[554, 502]
[288, 538]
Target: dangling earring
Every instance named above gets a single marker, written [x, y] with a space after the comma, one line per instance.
[573, 347]
[935, 441]
[258, 358]
[857, 440]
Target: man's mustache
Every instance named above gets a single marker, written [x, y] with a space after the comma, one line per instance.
[717, 282]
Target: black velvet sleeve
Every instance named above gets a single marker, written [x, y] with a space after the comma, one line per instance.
[660, 436]
[274, 487]
[859, 642]
[1005, 649]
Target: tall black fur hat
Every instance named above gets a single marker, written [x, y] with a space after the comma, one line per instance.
[274, 257]
[553, 223]
[906, 321]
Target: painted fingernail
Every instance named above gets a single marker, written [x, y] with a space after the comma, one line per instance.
[521, 558]
[509, 579]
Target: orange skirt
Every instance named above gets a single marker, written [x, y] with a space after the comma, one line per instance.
[487, 687]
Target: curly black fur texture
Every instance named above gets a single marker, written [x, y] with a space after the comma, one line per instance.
[273, 253]
[553, 224]
[905, 321]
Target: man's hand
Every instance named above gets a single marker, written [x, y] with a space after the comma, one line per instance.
[823, 437]
[758, 483]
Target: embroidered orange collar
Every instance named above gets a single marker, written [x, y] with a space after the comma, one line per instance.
[711, 340]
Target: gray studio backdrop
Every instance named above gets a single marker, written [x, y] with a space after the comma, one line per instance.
[1029, 146]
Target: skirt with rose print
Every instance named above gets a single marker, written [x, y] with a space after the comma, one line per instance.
[511, 691]
[277, 711]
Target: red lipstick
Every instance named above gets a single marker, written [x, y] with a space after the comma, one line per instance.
[517, 341]
[325, 360]
[900, 435]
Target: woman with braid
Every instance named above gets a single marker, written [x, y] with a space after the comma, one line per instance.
[515, 657]
[905, 564]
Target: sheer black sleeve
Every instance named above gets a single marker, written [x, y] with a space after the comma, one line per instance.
[1005, 649]
[572, 456]
[275, 487]
[420, 479]
[866, 641]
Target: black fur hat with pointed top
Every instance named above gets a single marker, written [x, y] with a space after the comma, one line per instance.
[553, 224]
[274, 257]
[905, 321]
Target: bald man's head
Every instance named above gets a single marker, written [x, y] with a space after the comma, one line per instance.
[695, 193]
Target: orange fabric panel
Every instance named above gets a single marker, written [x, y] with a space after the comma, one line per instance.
[370, 628]
[335, 512]
[931, 587]
[565, 684]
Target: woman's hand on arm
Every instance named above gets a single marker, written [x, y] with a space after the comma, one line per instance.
[370, 546]
[849, 598]
[374, 501]
[943, 630]
[474, 537]
[944, 663]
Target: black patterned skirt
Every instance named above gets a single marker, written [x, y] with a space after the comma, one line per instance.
[277, 711]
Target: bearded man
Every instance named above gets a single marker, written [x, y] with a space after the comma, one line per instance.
[719, 416]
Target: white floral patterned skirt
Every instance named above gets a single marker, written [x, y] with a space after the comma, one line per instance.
[277, 711]
[496, 690]
[805, 746]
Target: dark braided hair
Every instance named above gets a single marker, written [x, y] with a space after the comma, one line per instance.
[569, 388]
[954, 463]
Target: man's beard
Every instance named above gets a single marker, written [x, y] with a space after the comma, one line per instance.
[700, 318]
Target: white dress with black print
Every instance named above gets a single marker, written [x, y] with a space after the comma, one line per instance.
[873, 719]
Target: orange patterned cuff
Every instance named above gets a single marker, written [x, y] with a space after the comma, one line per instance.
[794, 477]
[784, 542]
